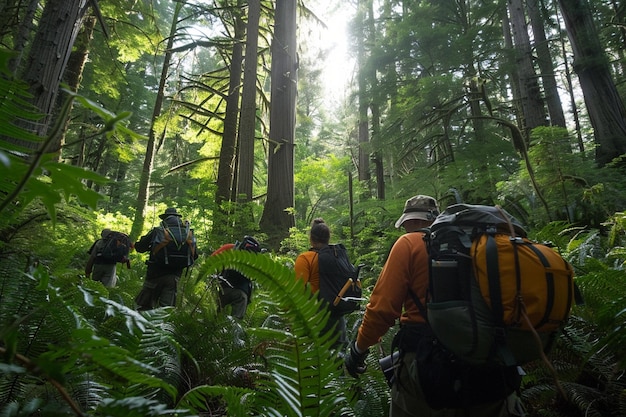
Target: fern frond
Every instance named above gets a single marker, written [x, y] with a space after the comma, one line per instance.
[302, 364]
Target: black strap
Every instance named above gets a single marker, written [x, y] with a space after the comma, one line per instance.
[493, 279]
[419, 304]
[500, 347]
[549, 285]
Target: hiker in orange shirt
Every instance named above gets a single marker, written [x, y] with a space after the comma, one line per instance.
[406, 271]
[307, 269]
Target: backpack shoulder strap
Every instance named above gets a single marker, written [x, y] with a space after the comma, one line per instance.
[93, 245]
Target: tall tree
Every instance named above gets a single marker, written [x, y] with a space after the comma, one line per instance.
[361, 19]
[225, 173]
[227, 159]
[146, 172]
[49, 53]
[277, 218]
[247, 119]
[604, 105]
[544, 61]
[532, 104]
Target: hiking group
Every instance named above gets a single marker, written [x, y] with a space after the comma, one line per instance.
[475, 300]
[172, 249]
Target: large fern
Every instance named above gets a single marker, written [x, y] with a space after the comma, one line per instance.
[54, 355]
[302, 371]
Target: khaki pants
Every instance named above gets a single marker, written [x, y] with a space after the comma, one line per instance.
[157, 292]
[236, 298]
[106, 274]
[407, 400]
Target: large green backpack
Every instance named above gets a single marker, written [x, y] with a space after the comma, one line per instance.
[174, 244]
[495, 296]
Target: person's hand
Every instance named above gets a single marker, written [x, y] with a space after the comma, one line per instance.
[355, 361]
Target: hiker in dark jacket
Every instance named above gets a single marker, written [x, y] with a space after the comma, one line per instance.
[98, 269]
[236, 288]
[161, 282]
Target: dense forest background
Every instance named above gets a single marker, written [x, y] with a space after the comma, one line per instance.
[243, 116]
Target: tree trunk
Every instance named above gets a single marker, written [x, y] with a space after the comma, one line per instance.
[50, 50]
[226, 168]
[514, 79]
[533, 106]
[148, 162]
[277, 218]
[544, 60]
[73, 74]
[363, 166]
[604, 105]
[247, 120]
[22, 35]
[569, 84]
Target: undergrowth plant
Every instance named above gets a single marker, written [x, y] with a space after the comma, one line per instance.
[69, 349]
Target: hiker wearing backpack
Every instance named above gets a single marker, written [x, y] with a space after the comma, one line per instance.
[172, 247]
[327, 269]
[406, 272]
[236, 288]
[98, 267]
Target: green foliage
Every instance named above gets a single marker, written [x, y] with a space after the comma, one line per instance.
[64, 362]
[302, 369]
[315, 198]
[575, 190]
[108, 359]
[40, 177]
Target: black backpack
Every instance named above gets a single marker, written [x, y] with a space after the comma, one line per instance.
[340, 286]
[114, 247]
[174, 243]
[494, 294]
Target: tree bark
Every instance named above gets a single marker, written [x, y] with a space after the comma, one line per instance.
[532, 104]
[363, 126]
[226, 168]
[277, 218]
[50, 51]
[546, 66]
[23, 32]
[247, 119]
[74, 72]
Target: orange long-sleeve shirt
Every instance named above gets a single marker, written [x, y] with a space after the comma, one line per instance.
[307, 269]
[406, 267]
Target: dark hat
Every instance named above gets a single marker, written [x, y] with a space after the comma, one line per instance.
[420, 207]
[170, 211]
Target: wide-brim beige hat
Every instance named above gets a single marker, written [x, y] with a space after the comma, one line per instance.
[421, 207]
